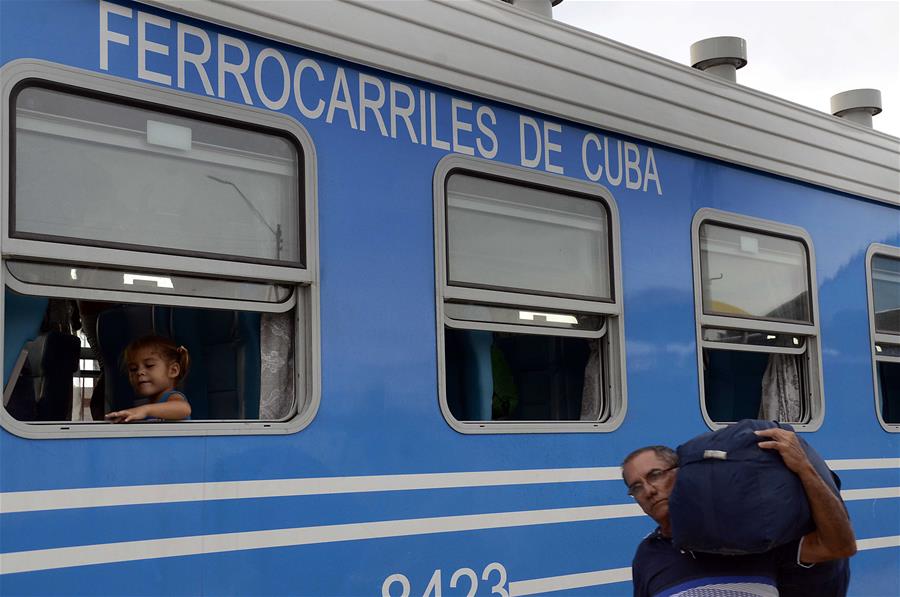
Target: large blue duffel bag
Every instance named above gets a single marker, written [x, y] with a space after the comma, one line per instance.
[733, 497]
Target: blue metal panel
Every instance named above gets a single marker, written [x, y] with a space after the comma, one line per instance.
[875, 573]
[379, 413]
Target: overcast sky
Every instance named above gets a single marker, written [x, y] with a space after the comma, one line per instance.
[804, 52]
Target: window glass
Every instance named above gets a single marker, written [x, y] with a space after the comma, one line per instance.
[754, 385]
[74, 276]
[886, 290]
[99, 172]
[507, 236]
[889, 387]
[751, 274]
[64, 359]
[502, 376]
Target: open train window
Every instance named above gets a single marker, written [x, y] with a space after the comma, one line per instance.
[883, 269]
[757, 321]
[529, 309]
[135, 211]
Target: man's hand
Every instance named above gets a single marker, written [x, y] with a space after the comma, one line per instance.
[833, 538]
[788, 446]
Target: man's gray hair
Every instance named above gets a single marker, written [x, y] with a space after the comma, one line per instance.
[665, 453]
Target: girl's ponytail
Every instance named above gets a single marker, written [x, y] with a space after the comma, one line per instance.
[184, 361]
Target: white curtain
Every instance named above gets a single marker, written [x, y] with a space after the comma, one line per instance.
[781, 400]
[276, 392]
[591, 393]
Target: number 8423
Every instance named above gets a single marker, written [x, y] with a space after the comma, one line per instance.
[457, 579]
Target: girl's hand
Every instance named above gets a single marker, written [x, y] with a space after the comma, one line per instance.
[138, 413]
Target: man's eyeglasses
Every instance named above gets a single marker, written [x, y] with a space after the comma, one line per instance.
[637, 489]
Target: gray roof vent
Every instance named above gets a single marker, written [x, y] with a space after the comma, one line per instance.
[720, 56]
[543, 8]
[857, 105]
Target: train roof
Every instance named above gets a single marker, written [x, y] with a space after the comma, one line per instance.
[490, 49]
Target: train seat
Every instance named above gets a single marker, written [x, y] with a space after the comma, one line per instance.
[24, 315]
[116, 328]
[43, 390]
[549, 375]
[734, 384]
[224, 377]
[43, 387]
[52, 362]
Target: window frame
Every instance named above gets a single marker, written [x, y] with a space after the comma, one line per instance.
[613, 366]
[810, 332]
[133, 297]
[304, 280]
[879, 250]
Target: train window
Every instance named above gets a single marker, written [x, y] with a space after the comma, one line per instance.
[749, 274]
[757, 331]
[136, 212]
[99, 172]
[529, 320]
[69, 365]
[884, 320]
[525, 239]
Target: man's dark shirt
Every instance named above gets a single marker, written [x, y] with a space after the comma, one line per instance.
[827, 579]
[660, 569]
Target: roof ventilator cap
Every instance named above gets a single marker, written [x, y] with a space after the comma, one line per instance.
[720, 56]
[543, 8]
[857, 105]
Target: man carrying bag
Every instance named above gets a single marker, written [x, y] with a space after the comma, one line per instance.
[664, 567]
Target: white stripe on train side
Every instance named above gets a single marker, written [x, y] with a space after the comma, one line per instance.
[582, 580]
[873, 493]
[128, 551]
[60, 499]
[878, 542]
[46, 559]
[566, 582]
[106, 553]
[860, 464]
[93, 497]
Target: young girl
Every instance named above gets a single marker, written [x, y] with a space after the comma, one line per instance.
[155, 366]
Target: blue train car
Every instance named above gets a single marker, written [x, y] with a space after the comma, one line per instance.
[439, 266]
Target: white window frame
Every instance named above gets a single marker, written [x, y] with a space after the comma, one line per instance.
[307, 369]
[875, 337]
[614, 390]
[813, 353]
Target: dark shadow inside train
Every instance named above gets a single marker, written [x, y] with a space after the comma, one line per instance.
[498, 376]
[889, 382]
[735, 383]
